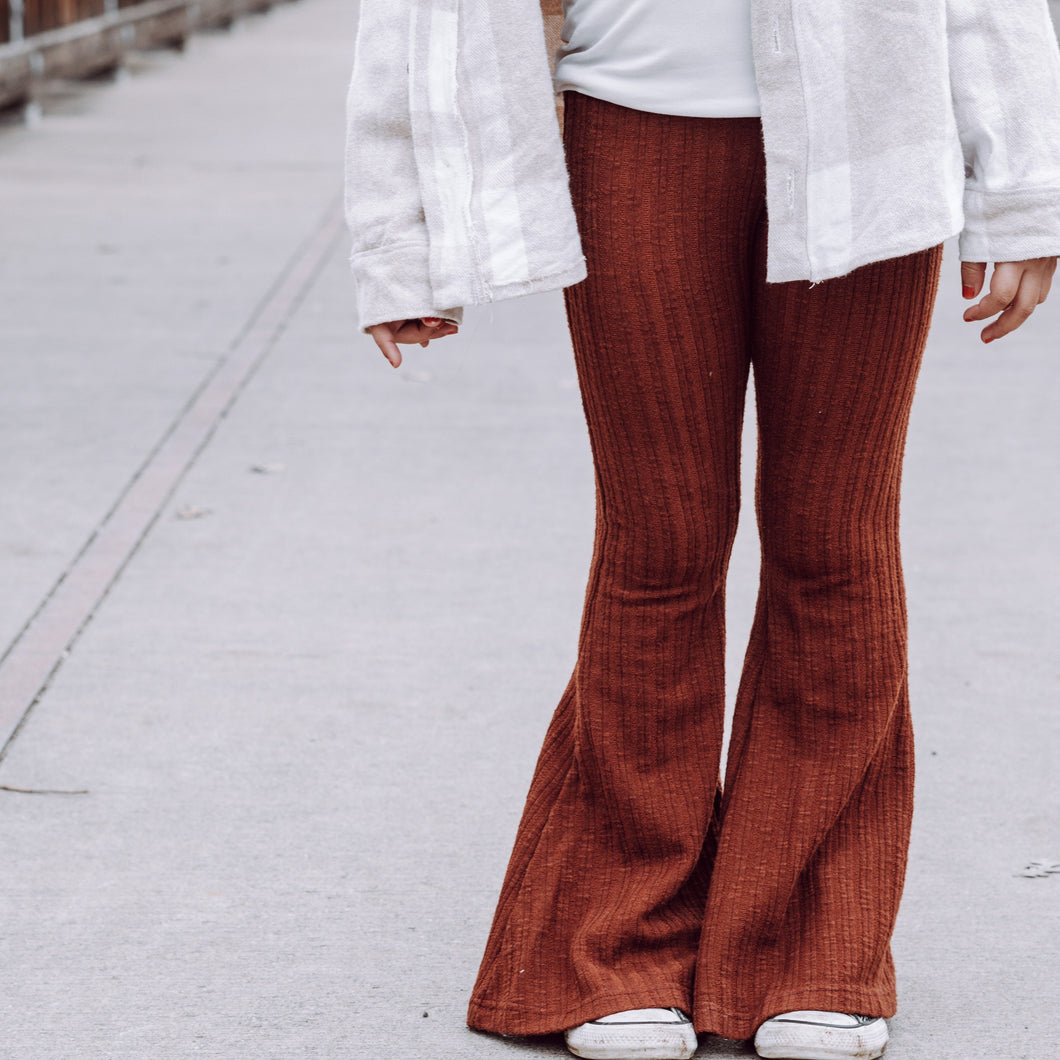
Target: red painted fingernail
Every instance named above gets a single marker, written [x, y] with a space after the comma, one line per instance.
[968, 292]
[432, 322]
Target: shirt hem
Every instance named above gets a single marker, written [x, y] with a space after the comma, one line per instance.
[743, 108]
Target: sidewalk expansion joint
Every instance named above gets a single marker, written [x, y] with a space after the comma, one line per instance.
[37, 652]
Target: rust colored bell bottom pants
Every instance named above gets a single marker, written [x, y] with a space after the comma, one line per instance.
[634, 881]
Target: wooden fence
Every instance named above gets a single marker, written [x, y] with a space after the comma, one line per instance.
[26, 18]
[42, 39]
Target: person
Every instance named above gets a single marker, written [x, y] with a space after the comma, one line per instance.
[746, 186]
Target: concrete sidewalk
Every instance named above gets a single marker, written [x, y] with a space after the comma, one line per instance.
[268, 797]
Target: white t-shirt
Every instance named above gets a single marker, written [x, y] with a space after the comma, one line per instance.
[689, 57]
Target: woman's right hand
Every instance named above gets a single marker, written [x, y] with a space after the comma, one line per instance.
[387, 336]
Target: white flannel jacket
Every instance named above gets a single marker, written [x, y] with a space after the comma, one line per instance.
[887, 128]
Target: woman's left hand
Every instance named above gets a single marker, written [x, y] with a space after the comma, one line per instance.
[1016, 288]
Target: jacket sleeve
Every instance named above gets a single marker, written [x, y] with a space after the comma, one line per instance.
[1005, 80]
[384, 211]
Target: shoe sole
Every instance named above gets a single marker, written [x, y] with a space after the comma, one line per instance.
[601, 1042]
[818, 1043]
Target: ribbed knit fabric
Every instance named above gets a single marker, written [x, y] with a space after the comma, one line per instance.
[633, 883]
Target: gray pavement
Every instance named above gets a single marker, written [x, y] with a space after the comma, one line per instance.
[302, 720]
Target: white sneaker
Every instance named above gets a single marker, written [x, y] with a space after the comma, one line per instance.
[810, 1035]
[640, 1034]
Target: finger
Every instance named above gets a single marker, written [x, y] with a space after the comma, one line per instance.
[1017, 313]
[391, 352]
[1004, 284]
[432, 322]
[1047, 279]
[972, 275]
[1003, 287]
[416, 331]
[383, 335]
[440, 333]
[444, 329]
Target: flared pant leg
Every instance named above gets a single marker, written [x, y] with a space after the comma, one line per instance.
[603, 902]
[614, 897]
[819, 781]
